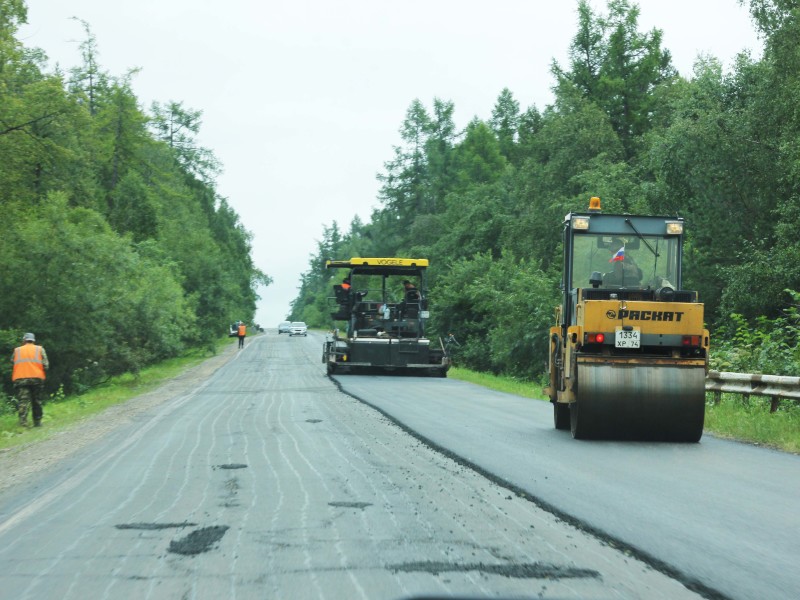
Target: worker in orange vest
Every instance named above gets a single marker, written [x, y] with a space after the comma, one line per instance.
[30, 364]
[242, 331]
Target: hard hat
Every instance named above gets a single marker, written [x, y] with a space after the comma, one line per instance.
[28, 337]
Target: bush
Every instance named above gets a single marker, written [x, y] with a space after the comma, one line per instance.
[766, 346]
[500, 311]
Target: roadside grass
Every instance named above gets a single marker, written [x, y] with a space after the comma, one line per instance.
[60, 412]
[732, 418]
[500, 383]
[750, 421]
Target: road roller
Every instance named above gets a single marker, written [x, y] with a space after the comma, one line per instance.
[384, 304]
[629, 351]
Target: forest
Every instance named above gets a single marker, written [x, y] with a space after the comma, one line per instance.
[115, 248]
[485, 204]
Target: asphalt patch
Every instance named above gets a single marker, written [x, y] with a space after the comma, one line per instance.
[517, 571]
[154, 526]
[198, 541]
[361, 505]
[616, 543]
[231, 466]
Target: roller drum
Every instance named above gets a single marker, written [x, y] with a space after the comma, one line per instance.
[641, 402]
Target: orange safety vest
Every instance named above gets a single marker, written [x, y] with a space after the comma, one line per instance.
[242, 330]
[28, 363]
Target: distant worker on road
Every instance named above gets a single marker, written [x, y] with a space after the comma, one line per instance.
[28, 374]
[242, 331]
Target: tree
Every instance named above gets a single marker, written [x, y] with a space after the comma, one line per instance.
[718, 165]
[587, 53]
[95, 299]
[763, 118]
[310, 305]
[478, 158]
[121, 127]
[38, 142]
[500, 311]
[773, 16]
[178, 127]
[505, 122]
[615, 66]
[133, 256]
[476, 219]
[38, 123]
[132, 209]
[439, 154]
[88, 80]
[404, 190]
[13, 13]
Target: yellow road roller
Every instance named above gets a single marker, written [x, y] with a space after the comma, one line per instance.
[629, 351]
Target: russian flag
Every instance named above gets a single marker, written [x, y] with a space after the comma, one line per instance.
[619, 256]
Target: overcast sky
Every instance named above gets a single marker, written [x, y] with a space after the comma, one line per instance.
[302, 100]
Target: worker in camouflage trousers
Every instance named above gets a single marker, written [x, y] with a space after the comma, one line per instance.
[242, 332]
[29, 366]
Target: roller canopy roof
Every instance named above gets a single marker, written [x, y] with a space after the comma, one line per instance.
[611, 224]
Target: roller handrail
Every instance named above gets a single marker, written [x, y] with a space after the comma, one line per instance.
[776, 387]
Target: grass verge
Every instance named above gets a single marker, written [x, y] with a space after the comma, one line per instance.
[63, 412]
[500, 383]
[732, 418]
[750, 421]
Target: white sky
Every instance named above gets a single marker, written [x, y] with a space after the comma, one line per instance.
[302, 100]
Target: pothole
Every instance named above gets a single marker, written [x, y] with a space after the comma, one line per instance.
[198, 541]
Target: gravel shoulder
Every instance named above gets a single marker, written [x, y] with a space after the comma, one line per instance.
[20, 463]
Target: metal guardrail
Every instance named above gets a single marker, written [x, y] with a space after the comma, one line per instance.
[776, 387]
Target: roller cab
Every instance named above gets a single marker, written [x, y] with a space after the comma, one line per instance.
[628, 351]
[383, 305]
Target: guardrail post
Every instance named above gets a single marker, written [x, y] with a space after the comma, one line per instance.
[774, 387]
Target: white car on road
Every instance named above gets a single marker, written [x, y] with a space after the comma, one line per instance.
[298, 328]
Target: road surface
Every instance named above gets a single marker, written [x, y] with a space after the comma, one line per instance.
[264, 480]
[721, 516]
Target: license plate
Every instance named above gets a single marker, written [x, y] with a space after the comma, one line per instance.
[627, 339]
